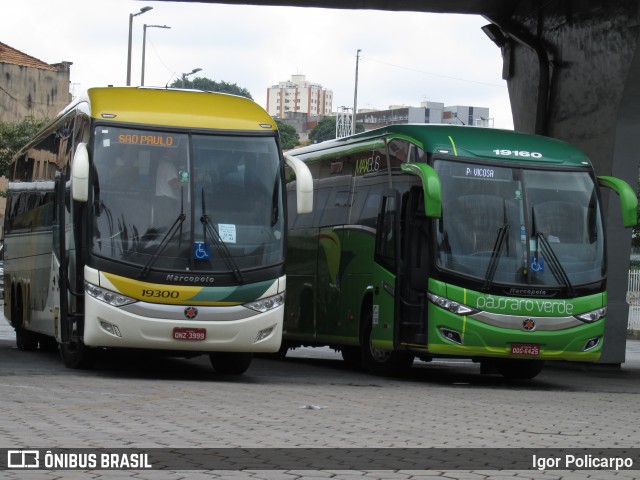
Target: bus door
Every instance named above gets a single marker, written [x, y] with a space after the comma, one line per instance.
[385, 272]
[414, 274]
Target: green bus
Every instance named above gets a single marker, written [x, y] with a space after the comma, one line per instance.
[448, 241]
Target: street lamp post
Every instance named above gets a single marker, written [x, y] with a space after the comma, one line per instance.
[355, 96]
[144, 44]
[131, 15]
[185, 75]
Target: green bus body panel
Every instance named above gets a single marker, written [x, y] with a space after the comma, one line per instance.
[481, 339]
[628, 199]
[461, 141]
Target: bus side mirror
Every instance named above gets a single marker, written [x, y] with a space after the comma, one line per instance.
[431, 186]
[304, 184]
[628, 199]
[80, 174]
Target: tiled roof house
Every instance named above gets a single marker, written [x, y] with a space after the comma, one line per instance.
[31, 87]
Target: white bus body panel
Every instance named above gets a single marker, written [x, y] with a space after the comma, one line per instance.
[157, 333]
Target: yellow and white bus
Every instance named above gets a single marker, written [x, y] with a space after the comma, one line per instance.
[150, 219]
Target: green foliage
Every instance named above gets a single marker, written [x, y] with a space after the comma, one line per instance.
[208, 85]
[324, 130]
[289, 138]
[14, 136]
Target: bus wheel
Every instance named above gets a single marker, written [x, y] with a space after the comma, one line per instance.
[75, 354]
[282, 351]
[352, 356]
[230, 363]
[26, 340]
[519, 369]
[382, 362]
[48, 344]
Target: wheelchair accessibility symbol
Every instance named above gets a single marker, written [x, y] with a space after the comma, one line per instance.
[537, 264]
[201, 251]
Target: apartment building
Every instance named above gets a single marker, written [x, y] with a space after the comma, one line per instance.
[298, 95]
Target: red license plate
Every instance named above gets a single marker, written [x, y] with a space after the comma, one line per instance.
[525, 349]
[189, 334]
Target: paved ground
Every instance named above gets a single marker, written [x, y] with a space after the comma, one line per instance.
[309, 400]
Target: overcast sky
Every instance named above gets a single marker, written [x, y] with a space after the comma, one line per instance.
[406, 57]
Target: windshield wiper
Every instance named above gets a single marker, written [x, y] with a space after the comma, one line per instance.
[503, 233]
[495, 255]
[168, 236]
[556, 267]
[212, 232]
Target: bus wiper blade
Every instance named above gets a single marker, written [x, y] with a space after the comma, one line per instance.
[495, 255]
[503, 234]
[554, 263]
[211, 232]
[177, 225]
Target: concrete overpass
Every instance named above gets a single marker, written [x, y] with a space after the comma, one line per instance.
[573, 73]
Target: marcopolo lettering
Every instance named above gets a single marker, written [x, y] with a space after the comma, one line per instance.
[189, 278]
[529, 292]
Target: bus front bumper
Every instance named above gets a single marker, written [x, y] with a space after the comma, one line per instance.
[166, 327]
[466, 337]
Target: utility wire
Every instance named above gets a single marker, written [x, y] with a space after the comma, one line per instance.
[434, 74]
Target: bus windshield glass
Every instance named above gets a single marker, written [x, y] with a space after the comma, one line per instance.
[177, 201]
[516, 226]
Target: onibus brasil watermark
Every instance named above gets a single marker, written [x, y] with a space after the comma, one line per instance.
[51, 460]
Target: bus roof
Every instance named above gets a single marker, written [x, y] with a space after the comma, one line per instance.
[178, 108]
[468, 142]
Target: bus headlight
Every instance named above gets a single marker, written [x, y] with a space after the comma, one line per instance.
[107, 296]
[592, 316]
[266, 304]
[453, 307]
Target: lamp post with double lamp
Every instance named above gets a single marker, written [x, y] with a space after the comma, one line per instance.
[185, 75]
[144, 46]
[131, 15]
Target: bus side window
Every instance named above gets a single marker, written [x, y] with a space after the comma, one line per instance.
[337, 206]
[386, 235]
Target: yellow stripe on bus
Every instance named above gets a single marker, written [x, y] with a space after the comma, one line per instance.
[157, 293]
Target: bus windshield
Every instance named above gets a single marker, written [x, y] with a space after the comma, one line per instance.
[177, 201]
[517, 226]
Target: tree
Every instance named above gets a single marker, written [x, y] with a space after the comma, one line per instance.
[208, 85]
[289, 138]
[324, 130]
[14, 136]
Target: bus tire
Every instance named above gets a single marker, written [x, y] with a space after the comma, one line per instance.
[352, 356]
[230, 363]
[48, 344]
[25, 340]
[519, 369]
[282, 351]
[381, 362]
[76, 355]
